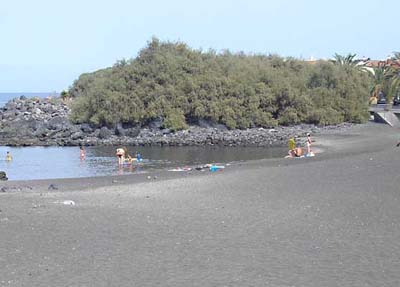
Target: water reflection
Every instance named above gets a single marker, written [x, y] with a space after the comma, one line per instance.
[65, 162]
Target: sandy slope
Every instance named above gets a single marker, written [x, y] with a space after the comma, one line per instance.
[332, 220]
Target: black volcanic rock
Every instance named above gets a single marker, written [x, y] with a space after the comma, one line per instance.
[3, 176]
[45, 122]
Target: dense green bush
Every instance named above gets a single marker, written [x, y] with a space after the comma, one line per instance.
[175, 120]
[171, 81]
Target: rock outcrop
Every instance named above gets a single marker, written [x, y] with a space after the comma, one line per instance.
[45, 122]
[3, 176]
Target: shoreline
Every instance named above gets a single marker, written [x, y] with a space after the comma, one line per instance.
[332, 144]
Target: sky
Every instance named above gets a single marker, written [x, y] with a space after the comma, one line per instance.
[46, 44]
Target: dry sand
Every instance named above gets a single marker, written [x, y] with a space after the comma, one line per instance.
[331, 220]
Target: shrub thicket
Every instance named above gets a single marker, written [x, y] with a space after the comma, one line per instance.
[171, 81]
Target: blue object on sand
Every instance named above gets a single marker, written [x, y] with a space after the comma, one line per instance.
[214, 168]
[311, 154]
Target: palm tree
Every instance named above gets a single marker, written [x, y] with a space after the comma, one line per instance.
[378, 85]
[348, 60]
[396, 56]
[386, 81]
[392, 83]
[392, 76]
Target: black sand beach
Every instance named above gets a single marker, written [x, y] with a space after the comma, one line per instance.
[331, 220]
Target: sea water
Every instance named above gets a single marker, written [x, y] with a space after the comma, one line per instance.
[65, 162]
[5, 97]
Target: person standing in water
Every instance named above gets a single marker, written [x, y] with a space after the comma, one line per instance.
[121, 156]
[8, 156]
[309, 141]
[82, 152]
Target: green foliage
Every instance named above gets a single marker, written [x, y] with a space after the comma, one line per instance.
[171, 81]
[289, 116]
[175, 120]
[348, 60]
[386, 79]
[64, 95]
[325, 116]
[391, 82]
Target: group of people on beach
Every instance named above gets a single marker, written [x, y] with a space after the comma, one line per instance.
[122, 154]
[295, 149]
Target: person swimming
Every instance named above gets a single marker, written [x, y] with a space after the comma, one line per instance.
[130, 159]
[137, 158]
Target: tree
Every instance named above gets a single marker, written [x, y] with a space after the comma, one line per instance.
[348, 60]
[386, 79]
[379, 81]
[392, 83]
[64, 95]
[395, 72]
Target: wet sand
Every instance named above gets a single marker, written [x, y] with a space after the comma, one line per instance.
[331, 220]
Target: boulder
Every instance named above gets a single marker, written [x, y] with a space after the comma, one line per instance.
[105, 133]
[42, 132]
[166, 131]
[3, 175]
[77, 135]
[132, 132]
[86, 128]
[58, 123]
[119, 130]
[204, 123]
[156, 123]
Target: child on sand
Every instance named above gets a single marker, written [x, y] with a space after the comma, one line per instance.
[292, 146]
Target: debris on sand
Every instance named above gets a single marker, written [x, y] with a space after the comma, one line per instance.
[69, 202]
[53, 187]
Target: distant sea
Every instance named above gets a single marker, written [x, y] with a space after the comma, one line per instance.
[5, 97]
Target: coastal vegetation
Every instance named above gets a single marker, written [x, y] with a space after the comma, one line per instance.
[386, 79]
[171, 82]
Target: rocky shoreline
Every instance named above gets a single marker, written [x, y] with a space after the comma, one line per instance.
[44, 122]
